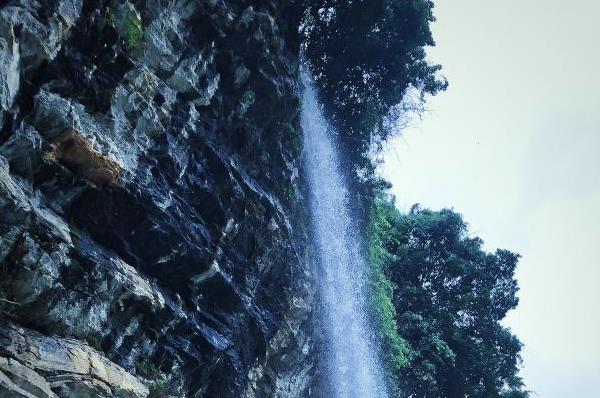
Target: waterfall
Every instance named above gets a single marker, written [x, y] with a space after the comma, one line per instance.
[351, 358]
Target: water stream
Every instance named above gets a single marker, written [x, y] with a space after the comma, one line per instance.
[350, 355]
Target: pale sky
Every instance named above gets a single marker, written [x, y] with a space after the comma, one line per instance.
[514, 145]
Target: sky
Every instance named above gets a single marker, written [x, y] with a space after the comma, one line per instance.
[514, 145]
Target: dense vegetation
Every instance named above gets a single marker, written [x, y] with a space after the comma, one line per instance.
[365, 55]
[440, 299]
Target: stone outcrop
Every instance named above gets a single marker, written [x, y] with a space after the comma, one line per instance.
[151, 233]
[36, 365]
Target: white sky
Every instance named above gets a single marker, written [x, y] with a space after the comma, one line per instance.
[514, 145]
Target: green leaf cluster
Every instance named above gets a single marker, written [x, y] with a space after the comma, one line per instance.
[383, 289]
[158, 389]
[148, 370]
[127, 22]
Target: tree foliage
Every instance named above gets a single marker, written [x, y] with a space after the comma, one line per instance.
[449, 297]
[365, 55]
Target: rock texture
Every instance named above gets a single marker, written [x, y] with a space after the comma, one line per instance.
[150, 230]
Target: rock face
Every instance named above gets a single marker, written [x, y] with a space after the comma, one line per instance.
[151, 238]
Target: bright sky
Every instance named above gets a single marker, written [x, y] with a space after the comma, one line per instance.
[514, 145]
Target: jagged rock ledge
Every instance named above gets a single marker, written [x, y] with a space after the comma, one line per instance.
[36, 365]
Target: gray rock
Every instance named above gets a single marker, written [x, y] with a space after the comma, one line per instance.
[23, 150]
[241, 75]
[70, 366]
[9, 67]
[40, 38]
[22, 381]
[196, 76]
[164, 42]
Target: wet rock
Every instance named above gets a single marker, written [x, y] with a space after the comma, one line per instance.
[150, 218]
[9, 67]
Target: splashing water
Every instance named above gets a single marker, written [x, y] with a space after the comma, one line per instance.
[351, 357]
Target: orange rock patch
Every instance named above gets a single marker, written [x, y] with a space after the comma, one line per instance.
[77, 154]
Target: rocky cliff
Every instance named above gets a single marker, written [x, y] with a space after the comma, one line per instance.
[149, 200]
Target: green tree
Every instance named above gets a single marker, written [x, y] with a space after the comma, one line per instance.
[365, 55]
[449, 297]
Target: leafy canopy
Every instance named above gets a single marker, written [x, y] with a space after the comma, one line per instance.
[365, 55]
[448, 297]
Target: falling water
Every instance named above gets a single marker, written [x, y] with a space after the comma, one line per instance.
[351, 360]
